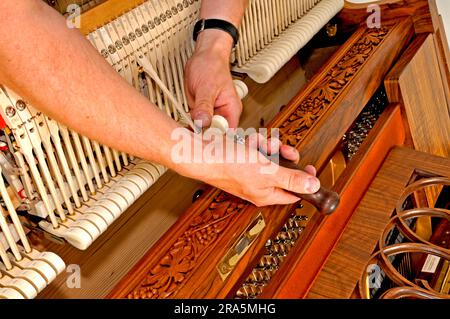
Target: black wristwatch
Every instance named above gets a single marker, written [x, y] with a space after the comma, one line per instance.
[226, 26]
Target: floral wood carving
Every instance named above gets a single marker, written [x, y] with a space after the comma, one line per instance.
[168, 276]
[294, 129]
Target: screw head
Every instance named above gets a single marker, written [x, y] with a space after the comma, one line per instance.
[21, 105]
[112, 49]
[138, 32]
[10, 111]
[119, 45]
[105, 53]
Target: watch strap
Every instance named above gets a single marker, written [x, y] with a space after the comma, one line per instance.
[219, 24]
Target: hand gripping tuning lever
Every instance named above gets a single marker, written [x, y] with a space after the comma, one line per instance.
[324, 200]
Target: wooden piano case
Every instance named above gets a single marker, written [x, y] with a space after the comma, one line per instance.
[293, 252]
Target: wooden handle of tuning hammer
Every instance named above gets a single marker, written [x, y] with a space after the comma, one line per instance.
[324, 200]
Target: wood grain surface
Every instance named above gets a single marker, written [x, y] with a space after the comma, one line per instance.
[105, 12]
[416, 83]
[346, 263]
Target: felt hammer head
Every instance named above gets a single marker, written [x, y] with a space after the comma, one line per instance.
[220, 123]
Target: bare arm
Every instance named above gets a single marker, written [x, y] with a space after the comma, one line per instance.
[210, 88]
[231, 11]
[61, 74]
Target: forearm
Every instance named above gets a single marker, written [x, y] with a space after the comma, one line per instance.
[60, 73]
[231, 11]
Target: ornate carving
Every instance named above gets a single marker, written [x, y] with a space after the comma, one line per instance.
[168, 276]
[295, 127]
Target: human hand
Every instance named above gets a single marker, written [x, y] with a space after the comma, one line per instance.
[259, 181]
[208, 82]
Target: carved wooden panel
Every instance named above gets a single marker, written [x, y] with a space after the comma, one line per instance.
[165, 277]
[323, 111]
[372, 221]
[183, 263]
[294, 128]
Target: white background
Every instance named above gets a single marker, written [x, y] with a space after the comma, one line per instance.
[444, 10]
